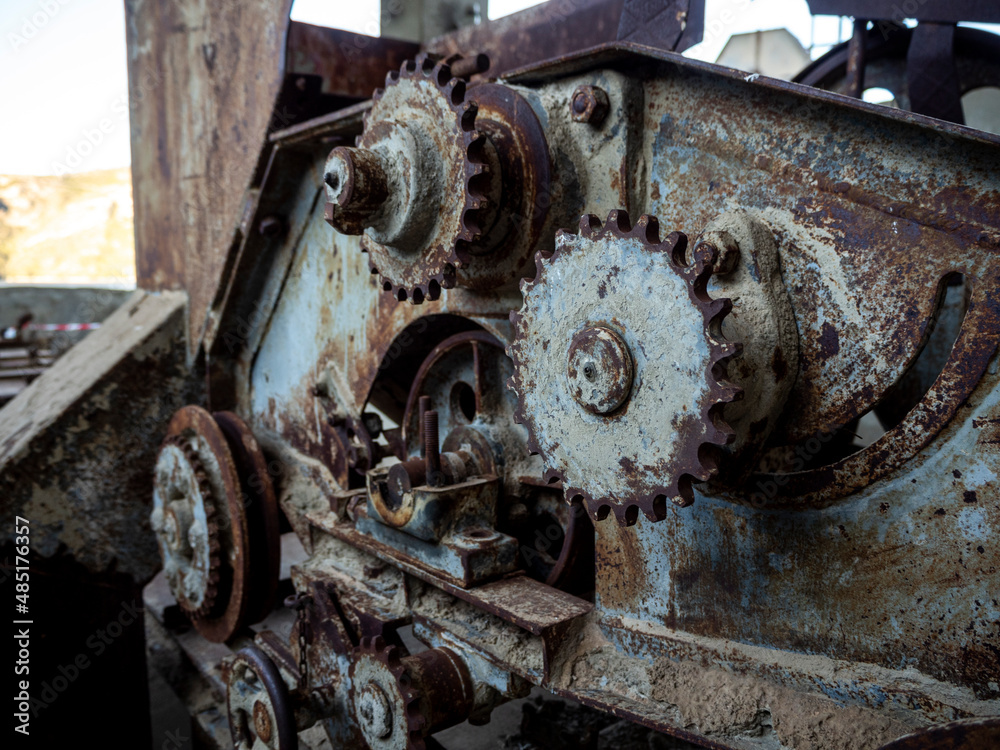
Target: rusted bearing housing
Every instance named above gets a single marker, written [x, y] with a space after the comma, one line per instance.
[463, 379]
[241, 514]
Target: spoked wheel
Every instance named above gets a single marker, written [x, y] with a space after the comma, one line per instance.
[976, 58]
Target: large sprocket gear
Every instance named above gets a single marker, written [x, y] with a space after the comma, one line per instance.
[184, 520]
[215, 517]
[421, 184]
[619, 367]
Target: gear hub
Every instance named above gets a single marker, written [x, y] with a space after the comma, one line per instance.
[619, 367]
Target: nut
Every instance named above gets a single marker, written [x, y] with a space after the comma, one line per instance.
[590, 104]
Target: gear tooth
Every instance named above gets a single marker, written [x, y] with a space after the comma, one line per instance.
[656, 508]
[467, 116]
[456, 94]
[647, 229]
[626, 515]
[590, 225]
[683, 496]
[533, 449]
[597, 510]
[539, 270]
[441, 73]
[553, 475]
[618, 222]
[719, 307]
[433, 290]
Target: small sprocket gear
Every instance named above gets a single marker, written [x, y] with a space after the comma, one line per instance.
[184, 520]
[421, 183]
[385, 699]
[620, 367]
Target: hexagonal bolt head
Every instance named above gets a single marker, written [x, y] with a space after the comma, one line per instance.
[590, 104]
[356, 187]
[719, 250]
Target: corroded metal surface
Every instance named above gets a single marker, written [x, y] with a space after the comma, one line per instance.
[203, 82]
[830, 594]
[398, 700]
[613, 299]
[435, 156]
[183, 519]
[859, 330]
[78, 445]
[260, 508]
[227, 530]
[351, 65]
[970, 734]
[260, 710]
[207, 85]
[479, 156]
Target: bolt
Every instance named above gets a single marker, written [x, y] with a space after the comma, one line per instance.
[375, 711]
[717, 250]
[402, 478]
[423, 405]
[261, 721]
[590, 104]
[470, 66]
[435, 478]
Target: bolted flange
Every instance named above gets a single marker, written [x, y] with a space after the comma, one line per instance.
[600, 369]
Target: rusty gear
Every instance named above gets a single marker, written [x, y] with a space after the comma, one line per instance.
[183, 519]
[619, 367]
[391, 186]
[385, 701]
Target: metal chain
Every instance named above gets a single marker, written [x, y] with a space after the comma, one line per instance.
[299, 602]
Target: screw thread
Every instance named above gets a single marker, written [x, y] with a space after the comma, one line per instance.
[431, 445]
